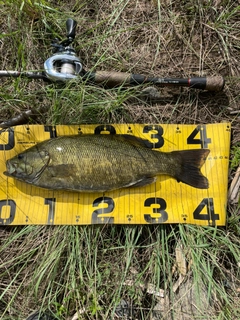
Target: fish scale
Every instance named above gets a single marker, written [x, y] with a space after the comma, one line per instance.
[103, 162]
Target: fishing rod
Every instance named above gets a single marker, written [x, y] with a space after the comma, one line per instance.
[64, 65]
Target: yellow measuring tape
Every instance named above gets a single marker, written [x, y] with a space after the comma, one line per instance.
[165, 201]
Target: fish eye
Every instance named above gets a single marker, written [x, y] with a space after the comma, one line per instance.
[20, 156]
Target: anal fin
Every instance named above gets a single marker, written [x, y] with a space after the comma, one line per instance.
[144, 182]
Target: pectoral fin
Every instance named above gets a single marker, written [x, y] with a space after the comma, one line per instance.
[62, 171]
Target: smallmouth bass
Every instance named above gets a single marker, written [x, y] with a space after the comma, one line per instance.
[99, 163]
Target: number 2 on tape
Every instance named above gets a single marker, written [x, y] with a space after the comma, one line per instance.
[103, 215]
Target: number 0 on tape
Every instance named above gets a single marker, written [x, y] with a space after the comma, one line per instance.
[165, 201]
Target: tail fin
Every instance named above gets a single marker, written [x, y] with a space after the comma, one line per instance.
[191, 162]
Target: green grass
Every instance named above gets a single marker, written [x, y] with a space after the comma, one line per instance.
[92, 269]
[81, 268]
[235, 156]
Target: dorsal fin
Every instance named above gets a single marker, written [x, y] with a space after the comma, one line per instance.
[137, 141]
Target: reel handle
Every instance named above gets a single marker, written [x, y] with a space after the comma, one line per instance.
[71, 28]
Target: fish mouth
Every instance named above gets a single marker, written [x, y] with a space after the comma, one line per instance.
[11, 169]
[17, 171]
[6, 174]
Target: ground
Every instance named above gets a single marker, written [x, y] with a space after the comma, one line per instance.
[156, 272]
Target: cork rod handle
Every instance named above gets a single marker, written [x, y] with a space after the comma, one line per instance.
[114, 79]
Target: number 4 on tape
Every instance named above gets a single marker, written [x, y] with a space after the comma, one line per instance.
[208, 205]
